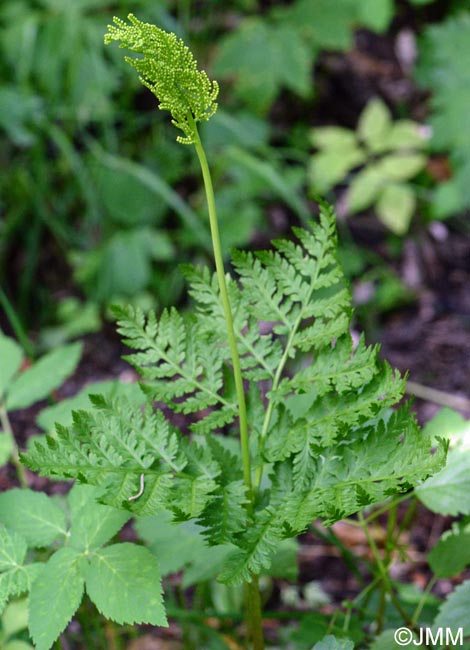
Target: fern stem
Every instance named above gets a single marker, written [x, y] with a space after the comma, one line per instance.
[253, 600]
[219, 266]
[254, 616]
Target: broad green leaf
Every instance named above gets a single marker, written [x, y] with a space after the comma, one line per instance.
[127, 200]
[374, 124]
[326, 25]
[6, 447]
[55, 597]
[92, 524]
[208, 564]
[405, 134]
[161, 190]
[328, 168]
[11, 356]
[395, 207]
[448, 491]
[123, 581]
[174, 544]
[243, 55]
[446, 200]
[402, 166]
[364, 189]
[451, 554]
[331, 642]
[122, 265]
[386, 641]
[241, 129]
[33, 515]
[453, 613]
[333, 137]
[18, 645]
[61, 413]
[285, 563]
[450, 424]
[376, 14]
[47, 374]
[13, 549]
[15, 617]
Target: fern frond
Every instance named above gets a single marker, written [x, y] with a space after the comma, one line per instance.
[259, 354]
[336, 368]
[226, 515]
[112, 446]
[169, 70]
[259, 546]
[191, 495]
[179, 365]
[383, 458]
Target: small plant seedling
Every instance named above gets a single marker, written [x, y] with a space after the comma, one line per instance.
[388, 155]
[264, 355]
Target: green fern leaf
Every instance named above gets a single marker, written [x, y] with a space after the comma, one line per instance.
[226, 515]
[259, 547]
[175, 358]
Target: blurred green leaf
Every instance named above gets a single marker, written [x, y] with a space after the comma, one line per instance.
[364, 189]
[374, 124]
[333, 643]
[443, 68]
[395, 207]
[326, 25]
[122, 265]
[19, 112]
[451, 554]
[11, 356]
[6, 447]
[448, 491]
[376, 14]
[244, 54]
[61, 412]
[333, 137]
[328, 168]
[405, 134]
[453, 613]
[47, 374]
[15, 617]
[401, 166]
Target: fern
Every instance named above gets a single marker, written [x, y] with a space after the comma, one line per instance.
[265, 355]
[322, 420]
[169, 70]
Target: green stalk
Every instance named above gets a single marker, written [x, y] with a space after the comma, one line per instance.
[253, 602]
[219, 267]
[15, 457]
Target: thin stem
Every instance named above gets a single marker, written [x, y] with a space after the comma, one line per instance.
[423, 600]
[254, 615]
[437, 396]
[219, 266]
[15, 457]
[253, 603]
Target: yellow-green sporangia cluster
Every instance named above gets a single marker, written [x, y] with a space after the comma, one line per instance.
[169, 70]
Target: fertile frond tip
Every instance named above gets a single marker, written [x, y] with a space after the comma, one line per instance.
[169, 70]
